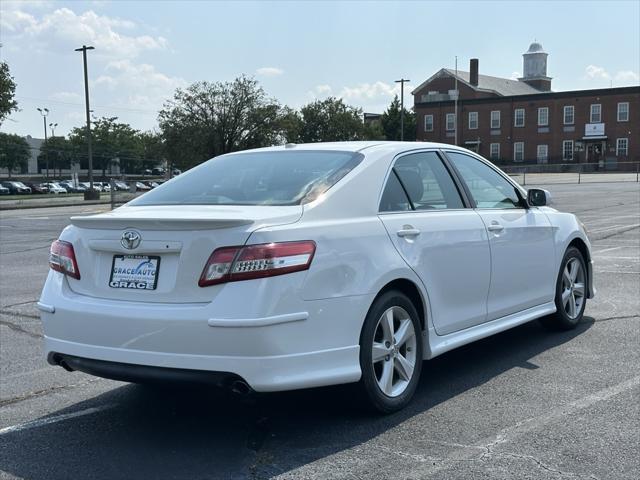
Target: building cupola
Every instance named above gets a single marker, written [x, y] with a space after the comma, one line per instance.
[535, 68]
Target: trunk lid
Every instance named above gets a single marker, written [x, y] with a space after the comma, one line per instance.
[177, 240]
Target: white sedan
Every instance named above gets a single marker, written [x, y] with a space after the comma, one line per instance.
[307, 265]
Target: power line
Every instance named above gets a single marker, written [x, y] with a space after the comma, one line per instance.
[105, 107]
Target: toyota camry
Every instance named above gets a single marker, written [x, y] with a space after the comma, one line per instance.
[308, 265]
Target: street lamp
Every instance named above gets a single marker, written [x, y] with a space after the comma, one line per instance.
[402, 81]
[53, 126]
[90, 194]
[45, 112]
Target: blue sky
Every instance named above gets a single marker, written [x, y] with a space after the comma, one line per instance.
[299, 51]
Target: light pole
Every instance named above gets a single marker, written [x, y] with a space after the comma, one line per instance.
[53, 126]
[402, 81]
[89, 195]
[45, 112]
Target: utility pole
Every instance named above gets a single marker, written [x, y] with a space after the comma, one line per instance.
[402, 81]
[84, 49]
[44, 112]
[455, 105]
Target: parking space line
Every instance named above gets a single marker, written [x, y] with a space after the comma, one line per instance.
[49, 420]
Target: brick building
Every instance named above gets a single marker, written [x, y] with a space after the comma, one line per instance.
[523, 121]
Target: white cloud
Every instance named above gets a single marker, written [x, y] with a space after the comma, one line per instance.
[369, 96]
[594, 72]
[63, 28]
[269, 71]
[627, 76]
[515, 75]
[143, 85]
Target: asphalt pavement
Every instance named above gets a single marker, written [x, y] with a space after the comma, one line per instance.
[524, 404]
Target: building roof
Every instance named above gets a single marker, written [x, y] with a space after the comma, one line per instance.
[535, 47]
[503, 87]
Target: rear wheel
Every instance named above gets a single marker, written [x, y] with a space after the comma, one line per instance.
[571, 292]
[390, 352]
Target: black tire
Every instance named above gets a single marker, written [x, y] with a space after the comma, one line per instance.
[561, 320]
[368, 385]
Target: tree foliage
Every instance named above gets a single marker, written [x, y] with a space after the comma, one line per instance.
[390, 122]
[110, 140]
[330, 120]
[14, 152]
[56, 153]
[8, 103]
[208, 119]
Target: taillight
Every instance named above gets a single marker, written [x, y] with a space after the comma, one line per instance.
[231, 264]
[62, 259]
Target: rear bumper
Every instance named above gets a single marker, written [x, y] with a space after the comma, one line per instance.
[262, 374]
[294, 343]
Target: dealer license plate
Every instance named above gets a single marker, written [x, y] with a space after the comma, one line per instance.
[139, 272]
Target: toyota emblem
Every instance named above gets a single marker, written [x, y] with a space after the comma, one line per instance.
[130, 239]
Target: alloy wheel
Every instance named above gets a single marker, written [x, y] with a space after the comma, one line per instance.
[573, 288]
[394, 351]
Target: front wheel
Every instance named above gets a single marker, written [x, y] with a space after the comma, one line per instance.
[390, 352]
[571, 292]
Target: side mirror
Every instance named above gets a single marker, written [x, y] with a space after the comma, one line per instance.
[538, 197]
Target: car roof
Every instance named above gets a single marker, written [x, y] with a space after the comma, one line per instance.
[355, 146]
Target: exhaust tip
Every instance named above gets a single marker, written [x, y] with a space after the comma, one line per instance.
[240, 387]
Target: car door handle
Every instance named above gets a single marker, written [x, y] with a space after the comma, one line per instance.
[495, 227]
[408, 232]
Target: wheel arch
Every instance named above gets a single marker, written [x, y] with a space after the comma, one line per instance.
[411, 290]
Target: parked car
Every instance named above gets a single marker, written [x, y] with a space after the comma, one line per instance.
[158, 171]
[151, 184]
[96, 186]
[120, 185]
[106, 186]
[140, 186]
[56, 188]
[37, 187]
[176, 172]
[309, 265]
[73, 187]
[4, 190]
[16, 188]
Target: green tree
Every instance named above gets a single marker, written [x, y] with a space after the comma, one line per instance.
[14, 152]
[330, 120]
[8, 103]
[109, 140]
[390, 122]
[152, 150]
[208, 119]
[56, 153]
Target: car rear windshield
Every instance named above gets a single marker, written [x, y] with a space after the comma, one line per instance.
[256, 178]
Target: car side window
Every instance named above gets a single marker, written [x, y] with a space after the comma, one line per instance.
[427, 181]
[488, 188]
[393, 198]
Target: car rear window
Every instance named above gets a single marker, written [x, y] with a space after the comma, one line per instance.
[256, 178]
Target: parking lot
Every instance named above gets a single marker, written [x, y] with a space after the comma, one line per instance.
[524, 404]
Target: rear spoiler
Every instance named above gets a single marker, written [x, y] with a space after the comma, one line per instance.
[119, 222]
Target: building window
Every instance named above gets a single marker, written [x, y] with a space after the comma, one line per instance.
[451, 121]
[567, 150]
[622, 147]
[569, 114]
[518, 117]
[543, 116]
[428, 123]
[518, 151]
[495, 119]
[473, 120]
[596, 113]
[542, 153]
[494, 151]
[623, 111]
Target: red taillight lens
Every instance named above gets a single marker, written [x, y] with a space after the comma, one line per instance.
[231, 264]
[62, 259]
